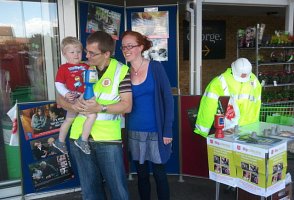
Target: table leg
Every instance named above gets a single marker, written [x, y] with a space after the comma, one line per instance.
[217, 186]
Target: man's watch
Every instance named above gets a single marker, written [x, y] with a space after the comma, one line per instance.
[104, 109]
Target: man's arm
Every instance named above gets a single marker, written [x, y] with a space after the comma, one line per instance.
[123, 106]
[65, 104]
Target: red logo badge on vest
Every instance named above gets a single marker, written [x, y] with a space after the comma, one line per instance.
[106, 82]
[230, 114]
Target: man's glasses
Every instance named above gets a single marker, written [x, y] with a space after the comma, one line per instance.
[129, 47]
[92, 54]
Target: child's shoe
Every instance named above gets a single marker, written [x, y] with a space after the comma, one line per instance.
[60, 146]
[83, 145]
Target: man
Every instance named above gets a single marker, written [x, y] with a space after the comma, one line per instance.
[113, 97]
[40, 151]
[51, 149]
[244, 90]
[48, 170]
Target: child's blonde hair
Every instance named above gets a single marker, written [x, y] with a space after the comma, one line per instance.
[70, 41]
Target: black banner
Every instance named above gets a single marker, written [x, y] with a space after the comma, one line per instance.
[213, 39]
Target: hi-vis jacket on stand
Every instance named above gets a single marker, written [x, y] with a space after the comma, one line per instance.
[247, 96]
[107, 126]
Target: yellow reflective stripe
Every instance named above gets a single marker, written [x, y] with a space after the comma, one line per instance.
[246, 96]
[202, 128]
[224, 85]
[113, 96]
[105, 116]
[255, 83]
[211, 95]
[199, 132]
[107, 97]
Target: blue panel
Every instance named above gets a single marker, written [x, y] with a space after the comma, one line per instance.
[171, 64]
[83, 10]
[172, 166]
[27, 159]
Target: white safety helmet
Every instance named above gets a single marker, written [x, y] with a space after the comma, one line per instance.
[241, 69]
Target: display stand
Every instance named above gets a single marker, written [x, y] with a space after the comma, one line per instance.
[258, 168]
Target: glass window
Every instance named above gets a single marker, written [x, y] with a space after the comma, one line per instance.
[29, 55]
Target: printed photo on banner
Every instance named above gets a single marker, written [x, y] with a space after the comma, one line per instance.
[43, 147]
[52, 171]
[151, 24]
[221, 165]
[42, 120]
[250, 172]
[277, 172]
[101, 19]
[158, 51]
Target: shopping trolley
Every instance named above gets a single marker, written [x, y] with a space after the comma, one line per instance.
[278, 113]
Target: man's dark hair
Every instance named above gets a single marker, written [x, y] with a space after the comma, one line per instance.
[104, 40]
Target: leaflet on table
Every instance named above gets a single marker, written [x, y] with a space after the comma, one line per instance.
[269, 129]
[221, 161]
[258, 140]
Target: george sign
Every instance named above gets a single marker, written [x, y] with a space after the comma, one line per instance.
[213, 39]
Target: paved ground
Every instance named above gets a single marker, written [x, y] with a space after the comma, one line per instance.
[191, 189]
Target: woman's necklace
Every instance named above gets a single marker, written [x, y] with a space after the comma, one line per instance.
[136, 72]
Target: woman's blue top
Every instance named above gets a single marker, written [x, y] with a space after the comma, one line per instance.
[163, 108]
[142, 118]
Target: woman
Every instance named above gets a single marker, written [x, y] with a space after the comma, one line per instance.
[55, 120]
[150, 122]
[39, 121]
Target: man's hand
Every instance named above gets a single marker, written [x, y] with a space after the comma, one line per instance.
[89, 106]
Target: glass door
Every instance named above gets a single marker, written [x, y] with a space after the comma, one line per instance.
[29, 56]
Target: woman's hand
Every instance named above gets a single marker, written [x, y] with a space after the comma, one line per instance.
[167, 140]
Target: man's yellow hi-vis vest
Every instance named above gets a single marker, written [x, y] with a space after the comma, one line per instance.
[247, 96]
[107, 126]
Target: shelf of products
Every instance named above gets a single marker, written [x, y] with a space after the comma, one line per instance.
[272, 58]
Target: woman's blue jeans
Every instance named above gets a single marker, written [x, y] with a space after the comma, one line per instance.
[159, 173]
[104, 163]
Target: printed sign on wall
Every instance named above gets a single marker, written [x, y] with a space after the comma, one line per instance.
[213, 39]
[101, 19]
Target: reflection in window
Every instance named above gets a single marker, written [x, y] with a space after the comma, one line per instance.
[28, 51]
